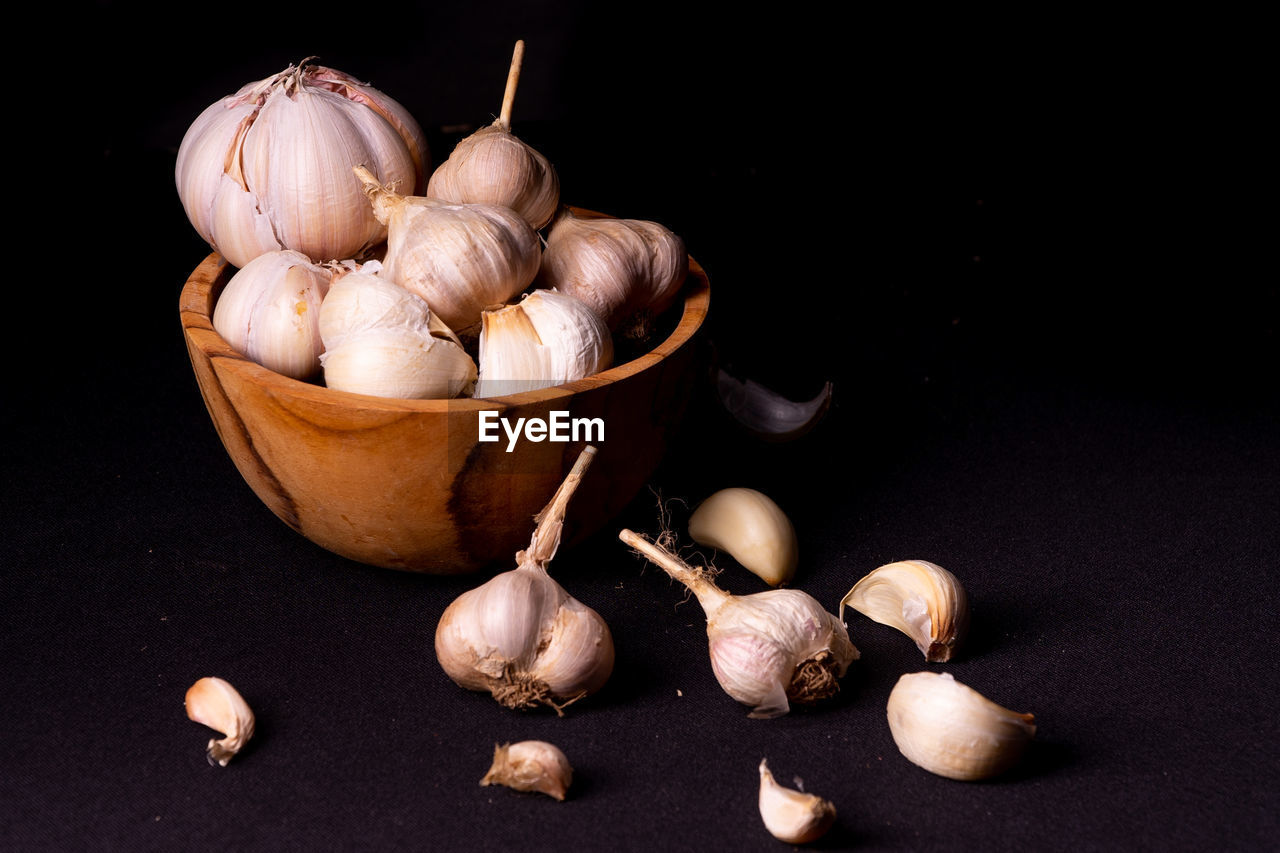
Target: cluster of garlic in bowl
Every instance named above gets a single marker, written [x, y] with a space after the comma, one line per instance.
[353, 268]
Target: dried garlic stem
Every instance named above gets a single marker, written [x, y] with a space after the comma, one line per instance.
[513, 80]
[550, 522]
[710, 596]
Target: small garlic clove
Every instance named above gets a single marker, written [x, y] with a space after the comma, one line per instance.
[921, 599]
[398, 363]
[751, 528]
[216, 704]
[790, 815]
[531, 765]
[765, 413]
[953, 730]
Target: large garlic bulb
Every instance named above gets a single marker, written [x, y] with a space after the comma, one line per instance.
[628, 270]
[768, 649]
[543, 340]
[520, 636]
[493, 166]
[270, 310]
[269, 167]
[460, 258]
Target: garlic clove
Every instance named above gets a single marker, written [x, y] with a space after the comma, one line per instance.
[953, 730]
[216, 704]
[360, 301]
[767, 414]
[751, 528]
[921, 599]
[790, 815]
[531, 765]
[398, 363]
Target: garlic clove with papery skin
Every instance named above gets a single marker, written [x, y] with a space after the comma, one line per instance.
[750, 527]
[531, 765]
[953, 730]
[921, 599]
[215, 703]
[790, 815]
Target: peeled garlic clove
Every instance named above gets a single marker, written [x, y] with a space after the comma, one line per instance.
[270, 309]
[215, 703]
[921, 599]
[792, 816]
[953, 730]
[543, 340]
[531, 765]
[751, 528]
[766, 413]
[628, 270]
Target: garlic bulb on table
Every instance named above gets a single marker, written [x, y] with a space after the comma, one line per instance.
[768, 649]
[460, 258]
[493, 166]
[520, 636]
[269, 167]
[543, 340]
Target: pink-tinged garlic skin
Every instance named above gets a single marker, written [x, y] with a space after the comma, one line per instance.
[213, 702]
[493, 166]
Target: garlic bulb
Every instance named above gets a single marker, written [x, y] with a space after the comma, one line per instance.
[953, 730]
[792, 816]
[493, 166]
[520, 636]
[628, 270]
[921, 599]
[215, 703]
[270, 309]
[460, 258]
[768, 649]
[752, 529]
[545, 339]
[269, 167]
[531, 765]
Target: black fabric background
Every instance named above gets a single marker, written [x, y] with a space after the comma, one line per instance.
[1014, 246]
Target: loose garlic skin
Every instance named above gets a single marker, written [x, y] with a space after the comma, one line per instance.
[269, 167]
[921, 599]
[751, 528]
[460, 258]
[790, 815]
[531, 765]
[215, 703]
[543, 340]
[270, 309]
[953, 730]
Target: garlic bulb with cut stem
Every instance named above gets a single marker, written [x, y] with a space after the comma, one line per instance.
[520, 636]
[753, 529]
[767, 649]
[628, 270]
[460, 258]
[545, 339]
[493, 166]
[790, 815]
[953, 730]
[531, 765]
[270, 310]
[215, 703]
[269, 167]
[921, 599]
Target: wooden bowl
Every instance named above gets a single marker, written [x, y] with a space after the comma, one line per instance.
[406, 484]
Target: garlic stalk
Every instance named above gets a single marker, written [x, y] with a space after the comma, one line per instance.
[921, 599]
[520, 636]
[215, 703]
[768, 649]
[493, 166]
[751, 528]
[545, 339]
[628, 270]
[460, 258]
[268, 168]
[953, 730]
[531, 765]
[790, 815]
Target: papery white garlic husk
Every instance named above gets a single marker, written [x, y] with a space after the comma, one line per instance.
[213, 702]
[269, 167]
[628, 270]
[953, 730]
[767, 649]
[543, 340]
[400, 364]
[521, 637]
[270, 310]
[921, 599]
[531, 765]
[790, 815]
[460, 258]
[748, 525]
